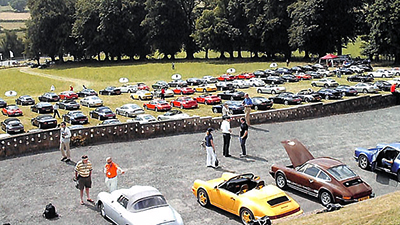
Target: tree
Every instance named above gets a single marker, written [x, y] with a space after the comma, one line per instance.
[165, 26]
[11, 42]
[18, 5]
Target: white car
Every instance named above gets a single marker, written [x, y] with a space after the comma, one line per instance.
[366, 88]
[128, 88]
[142, 95]
[271, 89]
[395, 71]
[326, 82]
[129, 110]
[325, 73]
[240, 84]
[139, 205]
[91, 101]
[395, 80]
[210, 79]
[173, 115]
[356, 69]
[381, 73]
[143, 118]
[256, 82]
[167, 94]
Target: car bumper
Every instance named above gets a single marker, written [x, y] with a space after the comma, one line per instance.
[372, 195]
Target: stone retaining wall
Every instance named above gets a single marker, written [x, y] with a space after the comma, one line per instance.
[49, 139]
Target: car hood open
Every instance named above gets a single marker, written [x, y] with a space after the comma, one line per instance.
[297, 152]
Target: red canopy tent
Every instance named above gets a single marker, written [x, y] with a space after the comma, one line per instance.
[329, 56]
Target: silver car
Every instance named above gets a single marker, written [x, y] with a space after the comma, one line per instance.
[366, 88]
[271, 89]
[326, 82]
[129, 110]
[128, 88]
[91, 101]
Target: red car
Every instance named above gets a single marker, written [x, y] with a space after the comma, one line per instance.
[157, 105]
[208, 99]
[143, 86]
[12, 110]
[245, 76]
[183, 91]
[303, 76]
[184, 103]
[226, 77]
[68, 95]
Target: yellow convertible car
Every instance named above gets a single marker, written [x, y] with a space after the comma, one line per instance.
[205, 88]
[246, 196]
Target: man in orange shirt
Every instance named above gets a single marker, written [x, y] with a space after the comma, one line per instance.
[111, 170]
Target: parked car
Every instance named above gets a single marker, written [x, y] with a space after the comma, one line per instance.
[260, 74]
[205, 88]
[129, 110]
[109, 121]
[208, 99]
[167, 93]
[42, 107]
[68, 105]
[143, 119]
[128, 88]
[360, 78]
[210, 79]
[246, 196]
[346, 90]
[289, 78]
[325, 178]
[160, 84]
[226, 77]
[274, 80]
[24, 100]
[143, 86]
[315, 75]
[157, 105]
[245, 76]
[87, 92]
[137, 205]
[308, 95]
[383, 157]
[240, 84]
[343, 71]
[91, 101]
[44, 121]
[303, 76]
[235, 107]
[395, 71]
[271, 89]
[325, 82]
[261, 103]
[356, 69]
[184, 103]
[223, 85]
[325, 72]
[75, 117]
[102, 113]
[195, 81]
[286, 98]
[142, 95]
[381, 73]
[49, 97]
[173, 115]
[178, 83]
[366, 88]
[395, 80]
[183, 91]
[231, 95]
[327, 93]
[283, 70]
[12, 126]
[111, 90]
[256, 82]
[68, 95]
[2, 103]
[383, 85]
[12, 110]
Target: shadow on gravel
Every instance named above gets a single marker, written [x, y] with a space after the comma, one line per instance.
[386, 179]
[219, 168]
[249, 158]
[229, 216]
[71, 163]
[91, 206]
[258, 129]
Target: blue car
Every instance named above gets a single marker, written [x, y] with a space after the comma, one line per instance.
[384, 157]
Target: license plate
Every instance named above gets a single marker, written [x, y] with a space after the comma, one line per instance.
[17, 130]
[363, 198]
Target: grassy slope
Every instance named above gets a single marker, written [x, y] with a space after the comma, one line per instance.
[382, 210]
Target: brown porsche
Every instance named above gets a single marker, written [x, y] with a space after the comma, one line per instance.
[325, 178]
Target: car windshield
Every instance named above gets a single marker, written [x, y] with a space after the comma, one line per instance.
[148, 117]
[133, 106]
[150, 202]
[13, 107]
[341, 172]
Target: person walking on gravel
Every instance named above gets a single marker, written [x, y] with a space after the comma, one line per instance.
[83, 173]
[65, 137]
[111, 170]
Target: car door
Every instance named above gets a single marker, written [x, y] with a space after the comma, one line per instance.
[117, 210]
[309, 182]
[224, 199]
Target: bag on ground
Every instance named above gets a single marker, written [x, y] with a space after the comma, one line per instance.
[50, 211]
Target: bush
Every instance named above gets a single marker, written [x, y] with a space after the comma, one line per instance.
[78, 140]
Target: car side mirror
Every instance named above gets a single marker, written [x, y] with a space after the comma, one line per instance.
[256, 177]
[216, 187]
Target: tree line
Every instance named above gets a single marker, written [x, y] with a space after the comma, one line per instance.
[137, 28]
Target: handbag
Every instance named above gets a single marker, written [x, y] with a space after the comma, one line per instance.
[216, 162]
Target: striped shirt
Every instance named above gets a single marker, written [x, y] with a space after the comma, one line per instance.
[83, 169]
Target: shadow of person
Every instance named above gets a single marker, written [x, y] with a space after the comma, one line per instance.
[219, 168]
[256, 158]
[258, 129]
[71, 163]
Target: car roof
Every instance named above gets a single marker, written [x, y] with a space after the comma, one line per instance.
[138, 192]
[297, 152]
[325, 162]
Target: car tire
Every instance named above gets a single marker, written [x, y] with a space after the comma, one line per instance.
[258, 91]
[246, 216]
[286, 103]
[326, 85]
[156, 109]
[273, 92]
[205, 103]
[280, 181]
[100, 207]
[307, 100]
[40, 126]
[325, 198]
[365, 91]
[181, 106]
[313, 84]
[204, 90]
[363, 162]
[202, 197]
[326, 97]
[256, 107]
[398, 176]
[215, 110]
[232, 98]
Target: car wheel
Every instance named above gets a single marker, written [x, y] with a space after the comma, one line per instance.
[145, 107]
[232, 98]
[100, 207]
[215, 110]
[40, 126]
[326, 85]
[363, 162]
[273, 92]
[256, 107]
[398, 176]
[343, 94]
[202, 197]
[204, 90]
[307, 100]
[326, 97]
[313, 84]
[181, 106]
[280, 181]
[259, 91]
[286, 103]
[205, 103]
[365, 91]
[246, 215]
[156, 109]
[325, 198]
[118, 112]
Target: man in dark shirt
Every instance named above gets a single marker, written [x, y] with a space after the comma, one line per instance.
[244, 132]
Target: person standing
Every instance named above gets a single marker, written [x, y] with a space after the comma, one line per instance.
[244, 132]
[83, 173]
[55, 111]
[162, 95]
[173, 66]
[65, 137]
[52, 88]
[71, 88]
[111, 170]
[225, 109]
[226, 133]
[248, 103]
[210, 148]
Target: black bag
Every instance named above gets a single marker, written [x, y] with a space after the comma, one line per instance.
[216, 162]
[50, 211]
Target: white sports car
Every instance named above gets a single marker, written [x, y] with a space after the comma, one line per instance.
[143, 119]
[137, 205]
[173, 115]
[91, 101]
[271, 89]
